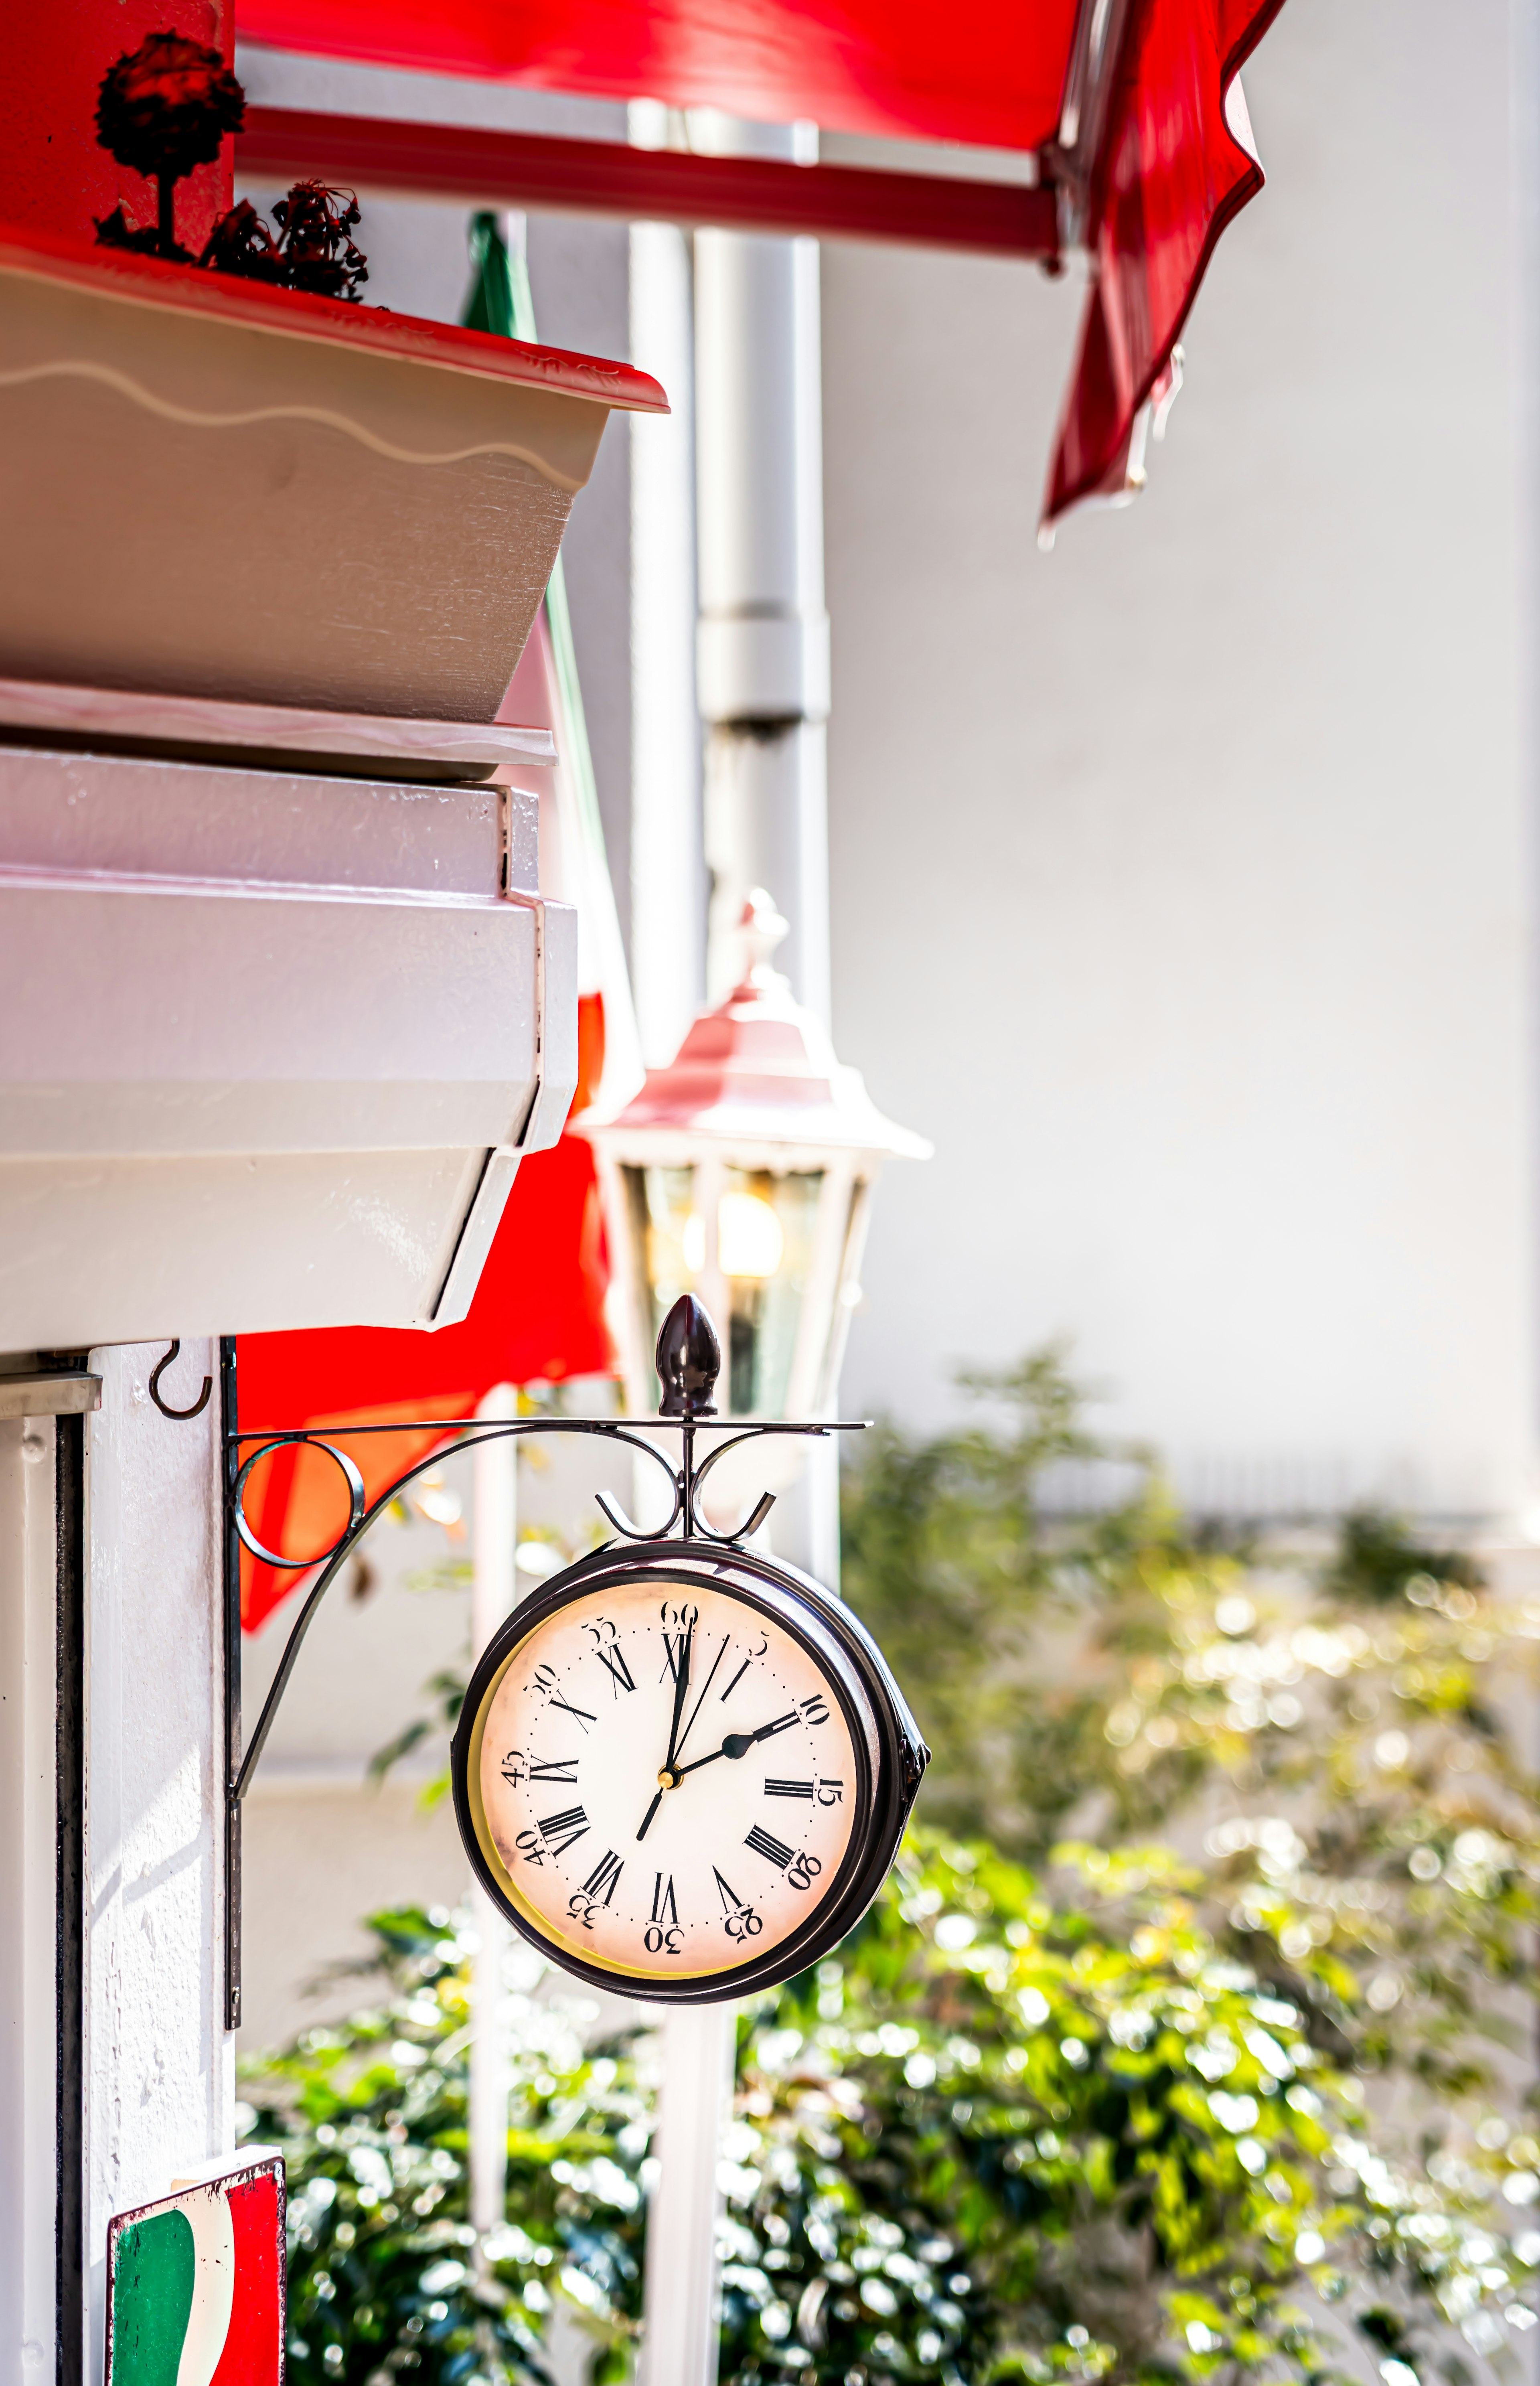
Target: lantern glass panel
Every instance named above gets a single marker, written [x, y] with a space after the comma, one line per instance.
[764, 1247]
[661, 1204]
[756, 1275]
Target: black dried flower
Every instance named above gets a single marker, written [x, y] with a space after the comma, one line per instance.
[241, 244]
[314, 223]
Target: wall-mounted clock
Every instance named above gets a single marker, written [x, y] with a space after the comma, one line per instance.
[683, 1770]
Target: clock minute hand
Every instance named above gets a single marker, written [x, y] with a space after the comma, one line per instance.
[679, 1745]
[681, 1692]
[668, 1777]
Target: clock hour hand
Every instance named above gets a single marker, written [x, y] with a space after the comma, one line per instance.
[737, 1743]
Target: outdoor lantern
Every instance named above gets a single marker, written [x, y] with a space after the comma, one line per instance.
[742, 1172]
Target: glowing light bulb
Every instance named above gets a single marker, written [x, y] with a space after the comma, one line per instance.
[749, 1240]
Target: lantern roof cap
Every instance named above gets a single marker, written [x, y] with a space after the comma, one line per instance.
[759, 1071]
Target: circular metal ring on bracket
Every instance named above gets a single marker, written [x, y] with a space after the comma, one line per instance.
[357, 1501]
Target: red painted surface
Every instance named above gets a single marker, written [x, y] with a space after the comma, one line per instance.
[154, 282]
[54, 175]
[516, 170]
[253, 2348]
[981, 70]
[1173, 175]
[538, 1315]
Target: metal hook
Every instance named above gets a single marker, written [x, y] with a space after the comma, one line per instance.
[177, 1416]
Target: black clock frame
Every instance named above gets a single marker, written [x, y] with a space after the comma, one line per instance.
[890, 1755]
[688, 1362]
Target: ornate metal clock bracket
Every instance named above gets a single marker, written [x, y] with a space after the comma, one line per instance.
[688, 1362]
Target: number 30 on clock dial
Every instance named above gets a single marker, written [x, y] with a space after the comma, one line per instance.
[685, 1776]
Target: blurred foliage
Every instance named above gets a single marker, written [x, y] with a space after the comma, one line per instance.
[1069, 2104]
[1338, 1736]
[386, 2279]
[1003, 2138]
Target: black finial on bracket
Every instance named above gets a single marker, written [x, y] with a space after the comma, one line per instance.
[689, 1360]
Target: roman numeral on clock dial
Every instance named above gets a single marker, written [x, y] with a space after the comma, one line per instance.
[615, 1666]
[558, 1831]
[602, 1880]
[731, 1900]
[560, 1768]
[766, 1844]
[665, 1908]
[789, 1790]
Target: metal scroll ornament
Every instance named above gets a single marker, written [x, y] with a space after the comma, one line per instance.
[683, 1770]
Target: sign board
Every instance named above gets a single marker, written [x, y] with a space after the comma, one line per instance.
[195, 2282]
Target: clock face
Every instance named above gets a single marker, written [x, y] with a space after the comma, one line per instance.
[665, 1778]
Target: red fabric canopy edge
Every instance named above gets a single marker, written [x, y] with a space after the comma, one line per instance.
[1177, 165]
[989, 73]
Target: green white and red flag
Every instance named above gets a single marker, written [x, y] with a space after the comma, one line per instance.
[195, 2284]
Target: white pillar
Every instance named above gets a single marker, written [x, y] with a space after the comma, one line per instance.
[763, 655]
[667, 870]
[28, 1871]
[159, 2065]
[764, 636]
[681, 2288]
[495, 1523]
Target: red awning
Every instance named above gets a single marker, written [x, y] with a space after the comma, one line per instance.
[983, 73]
[1124, 102]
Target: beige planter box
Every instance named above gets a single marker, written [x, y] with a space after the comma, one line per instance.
[212, 489]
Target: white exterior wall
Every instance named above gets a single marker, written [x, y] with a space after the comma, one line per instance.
[160, 2067]
[27, 1900]
[1182, 878]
